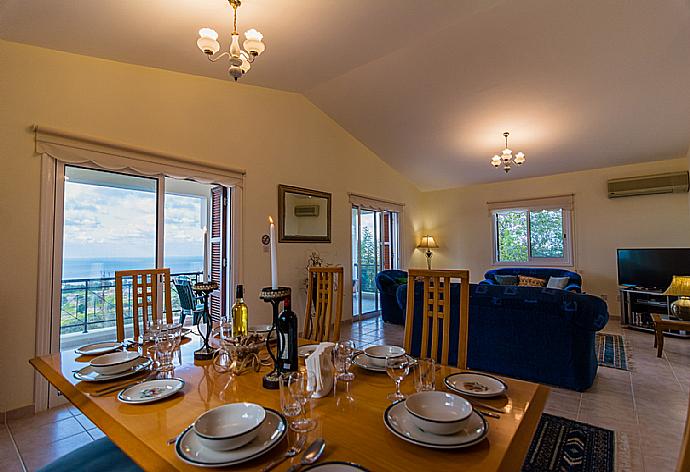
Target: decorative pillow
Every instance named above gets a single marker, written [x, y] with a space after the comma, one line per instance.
[525, 281]
[557, 282]
[506, 279]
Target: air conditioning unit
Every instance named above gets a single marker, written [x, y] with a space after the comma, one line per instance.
[306, 210]
[675, 182]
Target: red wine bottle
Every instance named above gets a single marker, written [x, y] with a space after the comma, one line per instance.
[287, 339]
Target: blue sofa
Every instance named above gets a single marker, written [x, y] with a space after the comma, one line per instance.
[574, 284]
[387, 282]
[532, 333]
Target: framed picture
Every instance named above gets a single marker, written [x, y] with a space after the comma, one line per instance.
[304, 215]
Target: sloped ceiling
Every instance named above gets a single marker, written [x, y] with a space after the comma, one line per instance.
[428, 85]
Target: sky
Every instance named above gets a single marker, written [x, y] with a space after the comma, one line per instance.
[115, 222]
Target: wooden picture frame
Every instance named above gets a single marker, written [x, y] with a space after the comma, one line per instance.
[304, 215]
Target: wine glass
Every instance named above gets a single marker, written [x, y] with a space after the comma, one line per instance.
[343, 360]
[302, 385]
[290, 405]
[397, 367]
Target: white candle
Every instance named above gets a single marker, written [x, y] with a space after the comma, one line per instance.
[206, 249]
[274, 256]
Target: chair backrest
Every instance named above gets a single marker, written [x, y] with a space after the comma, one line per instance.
[184, 291]
[436, 311]
[684, 459]
[323, 324]
[145, 284]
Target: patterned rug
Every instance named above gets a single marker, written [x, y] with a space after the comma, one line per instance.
[564, 445]
[611, 351]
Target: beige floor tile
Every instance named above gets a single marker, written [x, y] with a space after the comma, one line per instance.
[85, 422]
[96, 433]
[50, 416]
[35, 438]
[39, 456]
[9, 457]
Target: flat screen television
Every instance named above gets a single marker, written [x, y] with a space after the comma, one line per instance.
[652, 268]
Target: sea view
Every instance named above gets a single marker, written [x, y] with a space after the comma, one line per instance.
[102, 267]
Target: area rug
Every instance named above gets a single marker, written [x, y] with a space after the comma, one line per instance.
[563, 445]
[611, 351]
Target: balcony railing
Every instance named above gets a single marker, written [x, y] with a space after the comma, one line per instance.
[89, 304]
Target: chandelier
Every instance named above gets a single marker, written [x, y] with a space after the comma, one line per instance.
[240, 60]
[506, 158]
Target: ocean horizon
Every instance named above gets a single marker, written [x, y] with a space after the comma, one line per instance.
[105, 267]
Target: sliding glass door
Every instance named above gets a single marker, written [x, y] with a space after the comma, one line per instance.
[375, 247]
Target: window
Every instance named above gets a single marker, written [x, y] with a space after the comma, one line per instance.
[533, 232]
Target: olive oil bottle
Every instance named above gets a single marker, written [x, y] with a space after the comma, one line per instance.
[240, 314]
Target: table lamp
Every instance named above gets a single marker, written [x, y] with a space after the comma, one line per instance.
[680, 287]
[428, 243]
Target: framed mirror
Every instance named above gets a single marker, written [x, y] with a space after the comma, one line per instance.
[304, 215]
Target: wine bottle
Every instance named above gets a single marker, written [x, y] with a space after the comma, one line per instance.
[240, 314]
[287, 339]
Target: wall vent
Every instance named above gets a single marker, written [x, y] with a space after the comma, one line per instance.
[675, 182]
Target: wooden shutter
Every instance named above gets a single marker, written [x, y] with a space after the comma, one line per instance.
[219, 218]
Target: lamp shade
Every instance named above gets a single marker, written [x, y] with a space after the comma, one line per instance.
[428, 242]
[680, 286]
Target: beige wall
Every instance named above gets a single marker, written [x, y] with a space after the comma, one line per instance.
[277, 137]
[460, 221]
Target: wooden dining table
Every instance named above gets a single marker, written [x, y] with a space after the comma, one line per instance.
[350, 419]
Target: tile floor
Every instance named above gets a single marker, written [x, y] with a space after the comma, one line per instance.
[646, 406]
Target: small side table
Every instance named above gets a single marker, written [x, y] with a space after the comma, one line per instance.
[660, 325]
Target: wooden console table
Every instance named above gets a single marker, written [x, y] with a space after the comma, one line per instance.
[660, 325]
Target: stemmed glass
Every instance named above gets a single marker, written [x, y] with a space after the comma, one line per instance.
[397, 368]
[343, 360]
[302, 385]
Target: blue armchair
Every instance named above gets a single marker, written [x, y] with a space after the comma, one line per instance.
[387, 282]
[574, 284]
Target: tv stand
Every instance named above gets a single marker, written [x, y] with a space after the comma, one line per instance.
[637, 306]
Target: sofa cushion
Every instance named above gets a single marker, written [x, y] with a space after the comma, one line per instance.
[557, 282]
[525, 281]
[506, 279]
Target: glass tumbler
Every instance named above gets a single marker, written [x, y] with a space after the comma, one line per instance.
[425, 375]
[166, 339]
[344, 350]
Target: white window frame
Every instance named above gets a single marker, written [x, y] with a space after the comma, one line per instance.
[563, 203]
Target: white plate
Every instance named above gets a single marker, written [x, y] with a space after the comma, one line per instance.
[486, 385]
[150, 391]
[364, 361]
[336, 466]
[272, 431]
[96, 349]
[399, 422]
[87, 374]
[306, 349]
[263, 329]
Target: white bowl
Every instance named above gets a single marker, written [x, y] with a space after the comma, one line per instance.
[378, 354]
[438, 412]
[115, 362]
[229, 426]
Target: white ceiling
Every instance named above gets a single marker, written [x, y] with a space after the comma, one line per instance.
[428, 85]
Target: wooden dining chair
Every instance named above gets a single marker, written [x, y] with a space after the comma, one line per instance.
[324, 304]
[436, 312]
[684, 458]
[145, 285]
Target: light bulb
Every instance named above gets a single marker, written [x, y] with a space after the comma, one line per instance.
[519, 158]
[496, 158]
[520, 154]
[495, 163]
[207, 41]
[507, 151]
[253, 44]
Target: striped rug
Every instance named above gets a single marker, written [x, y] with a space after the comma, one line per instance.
[560, 444]
[611, 351]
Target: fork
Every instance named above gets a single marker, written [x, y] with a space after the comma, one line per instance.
[291, 452]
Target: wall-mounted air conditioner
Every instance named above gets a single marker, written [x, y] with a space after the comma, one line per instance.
[675, 182]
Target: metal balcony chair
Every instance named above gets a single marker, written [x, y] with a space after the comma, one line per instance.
[190, 304]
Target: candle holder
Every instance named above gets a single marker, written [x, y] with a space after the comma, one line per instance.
[274, 296]
[205, 352]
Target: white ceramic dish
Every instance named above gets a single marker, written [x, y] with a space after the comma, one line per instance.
[438, 412]
[115, 362]
[262, 329]
[365, 362]
[229, 426]
[378, 354]
[190, 450]
[305, 350]
[96, 349]
[475, 384]
[399, 422]
[336, 466]
[150, 391]
[88, 374]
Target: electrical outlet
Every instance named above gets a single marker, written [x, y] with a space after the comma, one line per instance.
[604, 297]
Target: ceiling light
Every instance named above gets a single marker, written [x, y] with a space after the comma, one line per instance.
[506, 158]
[240, 60]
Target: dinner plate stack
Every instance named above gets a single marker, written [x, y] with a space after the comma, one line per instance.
[191, 448]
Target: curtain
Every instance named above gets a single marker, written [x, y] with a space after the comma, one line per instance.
[566, 202]
[371, 203]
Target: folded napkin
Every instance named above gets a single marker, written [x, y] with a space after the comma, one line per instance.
[320, 363]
